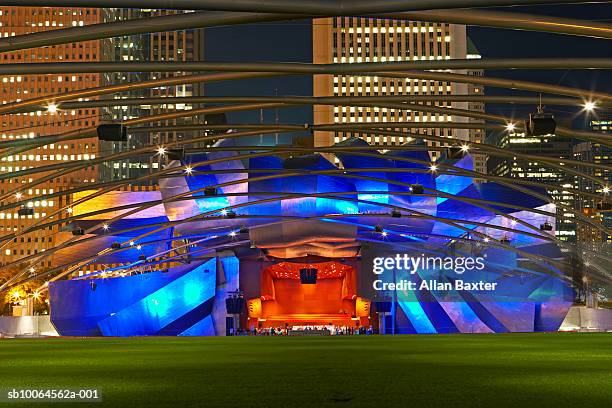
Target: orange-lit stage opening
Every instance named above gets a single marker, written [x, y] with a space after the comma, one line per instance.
[288, 300]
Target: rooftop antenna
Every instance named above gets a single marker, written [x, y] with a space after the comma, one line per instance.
[540, 107]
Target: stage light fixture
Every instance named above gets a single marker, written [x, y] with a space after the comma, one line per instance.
[486, 239]
[188, 170]
[433, 167]
[244, 230]
[510, 127]
[454, 152]
[378, 228]
[112, 132]
[69, 210]
[18, 195]
[606, 190]
[161, 150]
[23, 211]
[540, 123]
[116, 245]
[505, 239]
[176, 154]
[78, 231]
[223, 212]
[232, 234]
[210, 191]
[139, 247]
[465, 148]
[142, 257]
[417, 189]
[105, 227]
[396, 214]
[547, 226]
[230, 214]
[52, 108]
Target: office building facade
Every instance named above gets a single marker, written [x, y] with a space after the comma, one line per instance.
[362, 40]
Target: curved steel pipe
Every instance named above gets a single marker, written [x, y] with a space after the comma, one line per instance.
[184, 21]
[336, 100]
[315, 7]
[300, 173]
[187, 79]
[511, 20]
[43, 68]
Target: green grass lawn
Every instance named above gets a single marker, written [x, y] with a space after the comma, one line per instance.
[500, 370]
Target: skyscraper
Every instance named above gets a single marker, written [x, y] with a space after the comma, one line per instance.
[23, 20]
[548, 146]
[184, 45]
[595, 153]
[355, 40]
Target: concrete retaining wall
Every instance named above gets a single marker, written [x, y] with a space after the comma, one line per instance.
[587, 319]
[26, 326]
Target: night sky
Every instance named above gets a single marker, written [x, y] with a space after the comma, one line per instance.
[292, 42]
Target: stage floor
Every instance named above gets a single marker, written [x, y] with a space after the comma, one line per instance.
[314, 319]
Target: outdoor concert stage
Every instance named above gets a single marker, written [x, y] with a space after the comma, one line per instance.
[317, 246]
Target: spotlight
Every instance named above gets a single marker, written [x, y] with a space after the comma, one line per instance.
[510, 127]
[223, 212]
[131, 243]
[465, 148]
[139, 247]
[16, 294]
[589, 106]
[232, 234]
[161, 150]
[188, 170]
[486, 239]
[606, 190]
[378, 228]
[69, 210]
[36, 295]
[384, 233]
[52, 108]
[433, 167]
[105, 227]
[18, 195]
